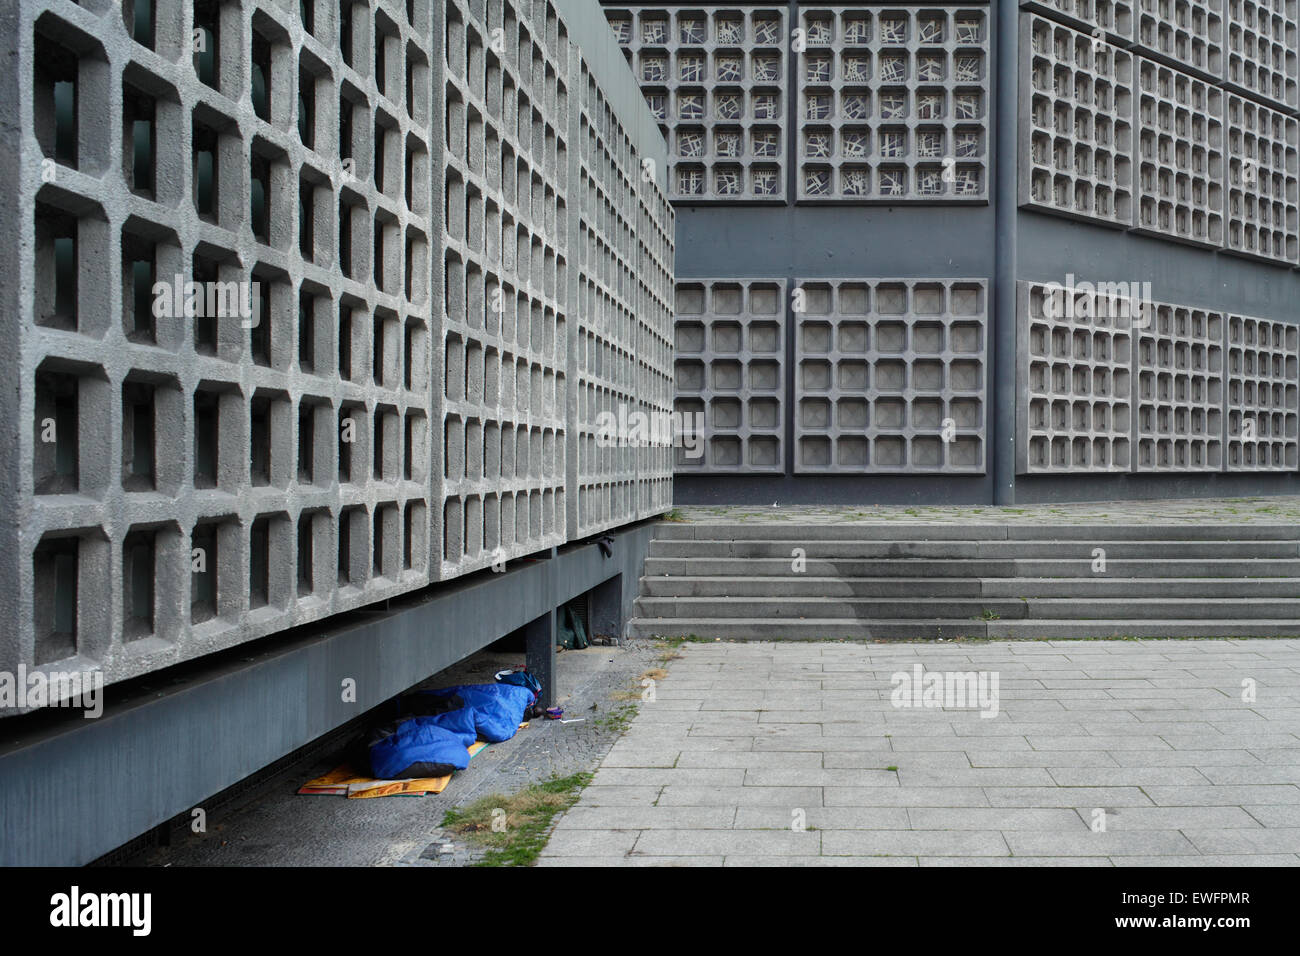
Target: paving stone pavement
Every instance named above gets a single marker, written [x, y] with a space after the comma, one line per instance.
[1100, 753]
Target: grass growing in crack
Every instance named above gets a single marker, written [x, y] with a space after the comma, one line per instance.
[674, 642]
[527, 817]
[634, 692]
[620, 718]
[669, 648]
[675, 515]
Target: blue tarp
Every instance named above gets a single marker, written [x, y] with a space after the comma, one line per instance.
[492, 712]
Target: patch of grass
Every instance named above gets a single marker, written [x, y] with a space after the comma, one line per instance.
[675, 516]
[987, 615]
[669, 648]
[620, 718]
[634, 692]
[527, 817]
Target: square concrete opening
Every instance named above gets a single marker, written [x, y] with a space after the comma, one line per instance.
[55, 455]
[138, 550]
[138, 428]
[55, 567]
[204, 564]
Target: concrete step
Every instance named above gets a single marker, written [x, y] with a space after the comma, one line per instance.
[1111, 586]
[907, 530]
[824, 629]
[762, 629]
[901, 608]
[1107, 585]
[928, 581]
[772, 531]
[1037, 629]
[1163, 567]
[796, 585]
[920, 606]
[815, 548]
[844, 567]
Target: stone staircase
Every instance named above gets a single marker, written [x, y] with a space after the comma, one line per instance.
[777, 581]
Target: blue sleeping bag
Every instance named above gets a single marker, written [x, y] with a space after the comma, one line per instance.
[424, 746]
[498, 708]
[432, 746]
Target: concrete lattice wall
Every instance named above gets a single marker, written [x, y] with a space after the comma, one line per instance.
[1135, 117]
[715, 79]
[1141, 136]
[462, 252]
[1179, 389]
[820, 373]
[891, 376]
[1149, 134]
[889, 104]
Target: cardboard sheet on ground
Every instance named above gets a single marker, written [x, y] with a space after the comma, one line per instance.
[346, 781]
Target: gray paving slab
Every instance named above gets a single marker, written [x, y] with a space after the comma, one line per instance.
[1175, 818]
[1111, 843]
[1258, 859]
[630, 860]
[728, 842]
[797, 754]
[575, 842]
[1077, 776]
[910, 797]
[647, 818]
[914, 843]
[1017, 861]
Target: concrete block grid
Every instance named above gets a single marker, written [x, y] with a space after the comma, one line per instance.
[893, 103]
[1178, 386]
[891, 376]
[1180, 165]
[507, 195]
[730, 368]
[1263, 158]
[195, 483]
[1186, 32]
[715, 78]
[1076, 128]
[1263, 358]
[890, 104]
[1249, 45]
[623, 251]
[176, 436]
[1189, 390]
[1135, 115]
[1261, 50]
